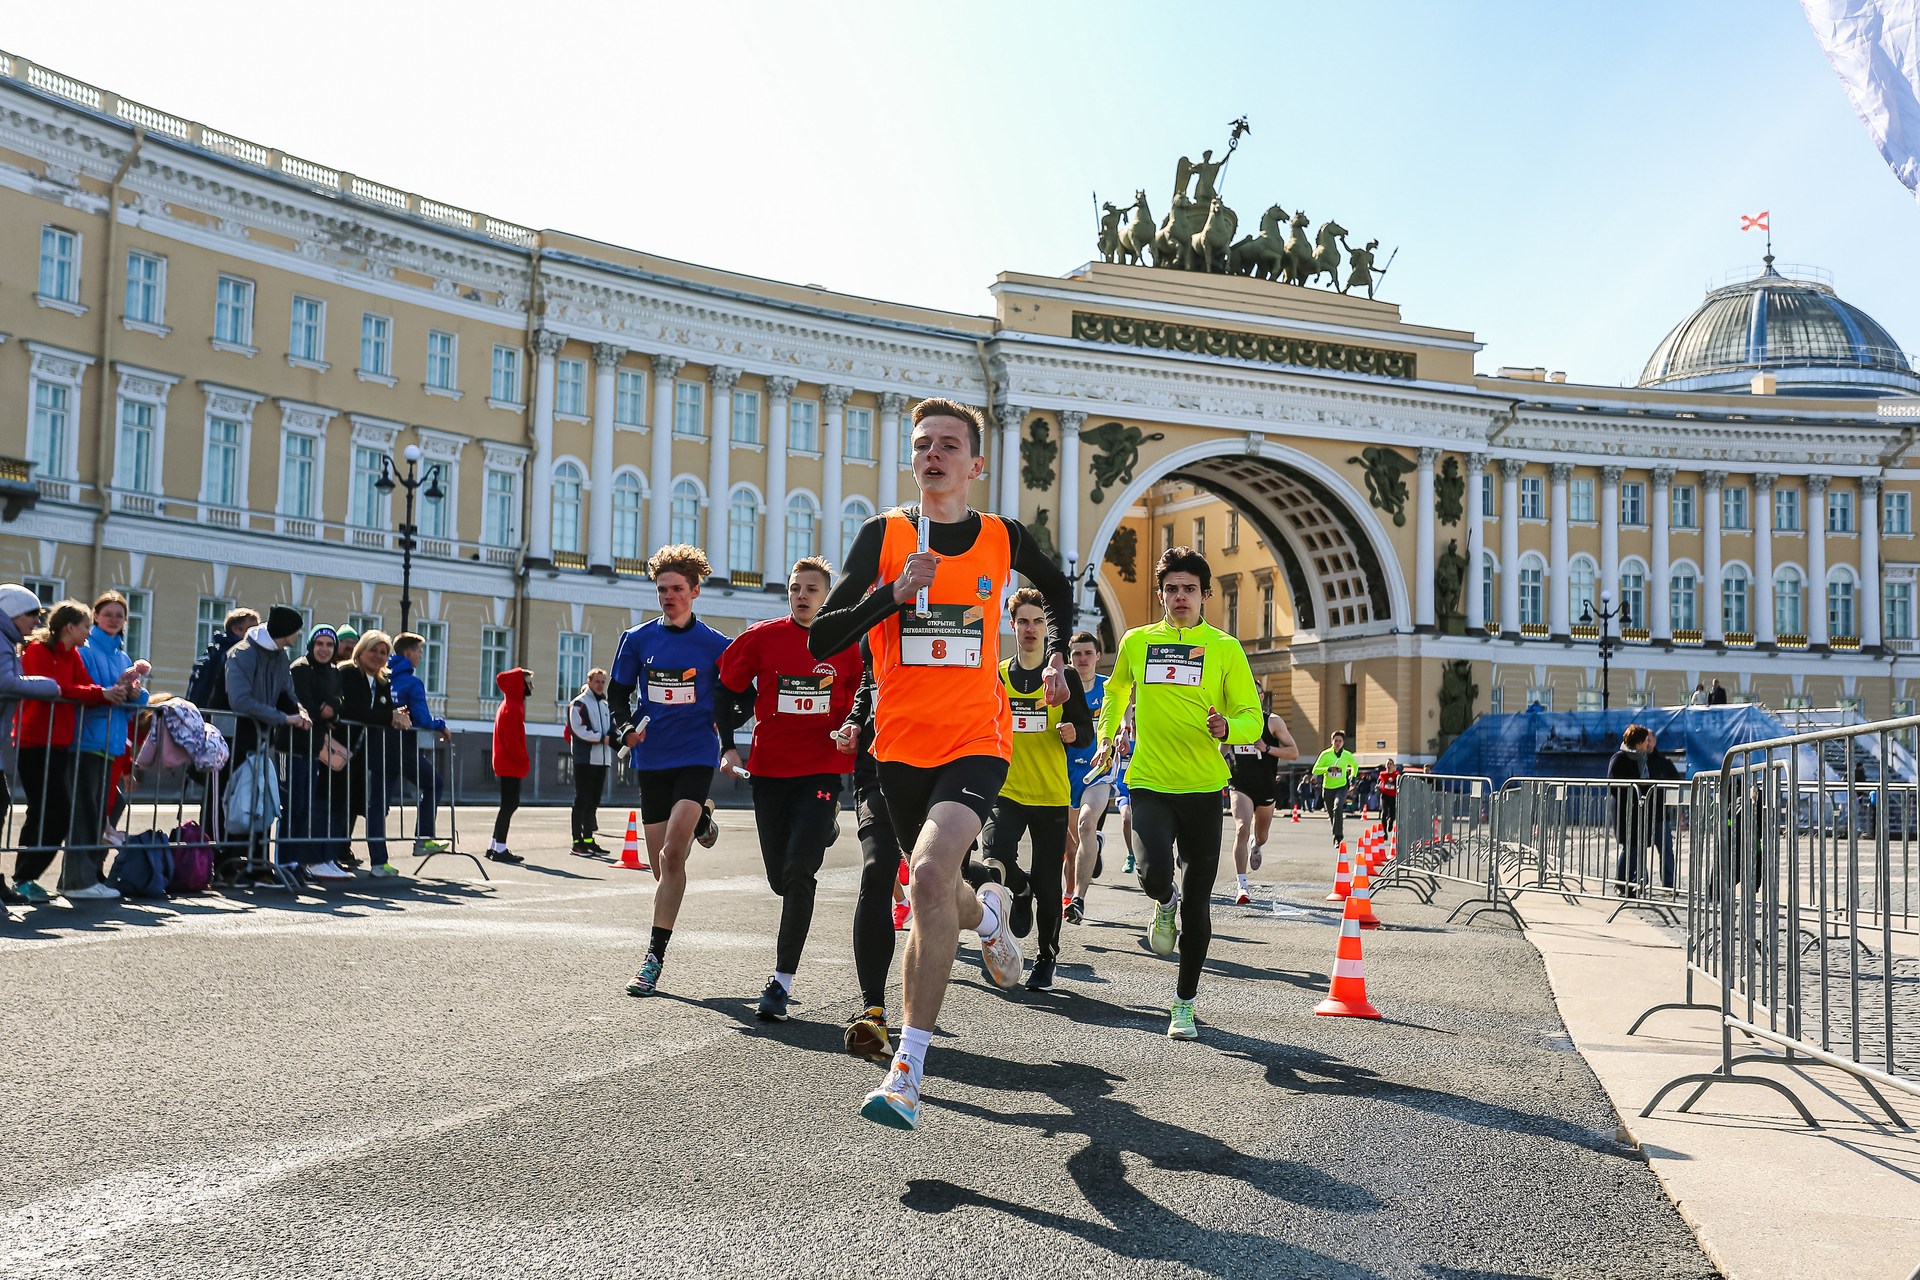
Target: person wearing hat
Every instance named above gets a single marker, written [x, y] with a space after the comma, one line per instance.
[20, 611]
[259, 684]
[344, 640]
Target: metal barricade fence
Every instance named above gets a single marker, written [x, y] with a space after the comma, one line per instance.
[1596, 838]
[1444, 831]
[1807, 888]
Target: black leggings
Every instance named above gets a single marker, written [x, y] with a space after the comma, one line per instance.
[794, 817]
[47, 775]
[1336, 810]
[1193, 821]
[880, 855]
[509, 802]
[589, 781]
[1000, 843]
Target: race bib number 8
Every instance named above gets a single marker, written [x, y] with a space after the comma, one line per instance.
[804, 695]
[950, 636]
[1175, 664]
[672, 688]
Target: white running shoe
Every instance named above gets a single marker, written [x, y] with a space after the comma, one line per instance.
[1253, 858]
[1000, 954]
[327, 871]
[92, 893]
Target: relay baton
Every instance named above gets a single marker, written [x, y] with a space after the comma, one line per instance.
[920, 605]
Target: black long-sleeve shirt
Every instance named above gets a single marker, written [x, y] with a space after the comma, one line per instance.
[854, 607]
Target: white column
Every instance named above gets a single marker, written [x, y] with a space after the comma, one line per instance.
[1660, 587]
[891, 404]
[606, 359]
[1007, 491]
[1476, 543]
[546, 345]
[1071, 420]
[1510, 469]
[1816, 590]
[720, 380]
[832, 476]
[1609, 514]
[773, 531]
[1713, 627]
[1762, 522]
[660, 454]
[1558, 625]
[1867, 597]
[1423, 541]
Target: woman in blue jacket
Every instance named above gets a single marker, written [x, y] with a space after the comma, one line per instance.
[103, 735]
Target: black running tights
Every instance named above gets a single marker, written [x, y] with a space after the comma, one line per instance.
[880, 856]
[1193, 821]
[795, 820]
[1000, 843]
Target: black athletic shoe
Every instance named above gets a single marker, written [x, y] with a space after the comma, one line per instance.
[1022, 921]
[503, 855]
[1099, 854]
[11, 899]
[708, 831]
[1077, 911]
[773, 1002]
[1041, 978]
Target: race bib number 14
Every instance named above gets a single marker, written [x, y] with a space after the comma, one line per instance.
[1175, 664]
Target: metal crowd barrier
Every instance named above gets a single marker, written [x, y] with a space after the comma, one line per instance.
[1444, 831]
[1806, 888]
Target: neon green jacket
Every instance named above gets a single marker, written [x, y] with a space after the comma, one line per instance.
[1173, 675]
[1335, 769]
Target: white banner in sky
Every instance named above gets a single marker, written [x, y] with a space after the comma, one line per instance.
[1874, 45]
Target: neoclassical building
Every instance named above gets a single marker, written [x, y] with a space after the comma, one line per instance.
[211, 353]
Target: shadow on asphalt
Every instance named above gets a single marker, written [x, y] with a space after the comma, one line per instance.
[395, 894]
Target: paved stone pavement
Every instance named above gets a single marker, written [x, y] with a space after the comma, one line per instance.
[444, 1078]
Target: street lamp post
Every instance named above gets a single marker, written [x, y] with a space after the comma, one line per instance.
[1606, 614]
[409, 531]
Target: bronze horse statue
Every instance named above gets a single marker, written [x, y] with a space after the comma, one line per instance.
[1262, 255]
[1304, 264]
[1209, 244]
[1136, 238]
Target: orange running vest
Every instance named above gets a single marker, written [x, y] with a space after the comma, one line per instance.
[938, 695]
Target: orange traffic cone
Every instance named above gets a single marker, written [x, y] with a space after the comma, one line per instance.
[1296, 809]
[630, 851]
[1342, 876]
[1362, 893]
[1348, 998]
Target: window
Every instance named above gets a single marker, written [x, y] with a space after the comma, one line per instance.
[626, 516]
[1734, 594]
[743, 532]
[1897, 613]
[1786, 510]
[501, 511]
[59, 264]
[1533, 591]
[376, 345]
[1266, 611]
[442, 360]
[1681, 506]
[1586, 699]
[363, 495]
[1533, 498]
[1582, 589]
[803, 426]
[746, 417]
[570, 667]
[1896, 513]
[1497, 701]
[1684, 599]
[1633, 503]
[233, 312]
[800, 526]
[1733, 507]
[629, 398]
[146, 288]
[1580, 500]
[139, 620]
[505, 383]
[570, 387]
[133, 461]
[49, 591]
[306, 332]
[1166, 538]
[856, 513]
[1839, 511]
[1540, 696]
[433, 657]
[365, 622]
[1633, 595]
[209, 621]
[689, 409]
[567, 487]
[496, 656]
[52, 427]
[906, 439]
[1488, 574]
[220, 486]
[1789, 614]
[298, 454]
[1486, 498]
[1200, 535]
[1232, 611]
[436, 514]
[860, 434]
[1233, 531]
[684, 522]
[1840, 610]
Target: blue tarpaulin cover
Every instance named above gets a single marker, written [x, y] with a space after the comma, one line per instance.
[1577, 744]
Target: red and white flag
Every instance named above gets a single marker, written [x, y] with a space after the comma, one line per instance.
[1758, 222]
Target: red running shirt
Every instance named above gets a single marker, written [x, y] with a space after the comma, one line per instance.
[799, 699]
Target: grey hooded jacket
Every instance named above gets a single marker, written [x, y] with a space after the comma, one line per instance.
[13, 687]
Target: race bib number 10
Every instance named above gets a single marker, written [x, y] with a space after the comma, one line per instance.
[950, 636]
[804, 695]
[1175, 664]
[672, 688]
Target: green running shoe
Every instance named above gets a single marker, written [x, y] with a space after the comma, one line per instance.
[1180, 1025]
[1160, 934]
[648, 979]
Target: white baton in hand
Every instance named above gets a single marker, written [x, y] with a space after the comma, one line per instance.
[920, 604]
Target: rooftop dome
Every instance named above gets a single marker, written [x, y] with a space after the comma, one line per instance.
[1793, 327]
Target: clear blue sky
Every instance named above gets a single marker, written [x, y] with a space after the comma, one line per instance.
[1560, 179]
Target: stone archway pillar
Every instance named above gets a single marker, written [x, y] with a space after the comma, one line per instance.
[1423, 543]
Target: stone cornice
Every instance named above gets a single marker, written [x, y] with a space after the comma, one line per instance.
[1681, 441]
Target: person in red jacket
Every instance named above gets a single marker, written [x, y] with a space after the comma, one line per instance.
[510, 763]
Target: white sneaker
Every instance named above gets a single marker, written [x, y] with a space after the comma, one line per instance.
[92, 893]
[1253, 858]
[327, 871]
[1000, 954]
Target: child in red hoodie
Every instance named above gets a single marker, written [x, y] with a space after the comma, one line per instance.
[510, 763]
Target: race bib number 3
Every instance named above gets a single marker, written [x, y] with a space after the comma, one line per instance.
[1175, 664]
[672, 688]
[950, 636]
[804, 695]
[1029, 722]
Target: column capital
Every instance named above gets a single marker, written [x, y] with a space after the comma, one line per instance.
[665, 366]
[1763, 481]
[893, 401]
[1713, 480]
[1426, 456]
[1476, 464]
[1662, 477]
[1870, 487]
[1560, 471]
[1818, 483]
[547, 343]
[1611, 475]
[1512, 467]
[834, 397]
[606, 355]
[1070, 420]
[722, 377]
[779, 387]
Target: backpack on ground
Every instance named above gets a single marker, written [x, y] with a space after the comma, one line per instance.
[192, 860]
[143, 866]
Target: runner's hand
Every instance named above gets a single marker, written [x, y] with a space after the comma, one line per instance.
[846, 739]
[1056, 681]
[730, 759]
[1216, 723]
[1067, 733]
[917, 574]
[1102, 761]
[635, 737]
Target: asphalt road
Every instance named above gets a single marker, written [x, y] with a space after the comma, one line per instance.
[445, 1079]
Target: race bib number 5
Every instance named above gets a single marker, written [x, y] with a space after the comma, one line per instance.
[1029, 721]
[1175, 664]
[804, 695]
[950, 636]
[672, 688]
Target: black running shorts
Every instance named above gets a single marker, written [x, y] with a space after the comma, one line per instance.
[661, 789]
[911, 791]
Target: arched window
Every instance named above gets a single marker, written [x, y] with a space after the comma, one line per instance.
[1684, 594]
[743, 531]
[1533, 591]
[1488, 574]
[567, 487]
[801, 518]
[1582, 596]
[855, 513]
[1789, 611]
[1735, 592]
[685, 523]
[1633, 595]
[1840, 596]
[626, 516]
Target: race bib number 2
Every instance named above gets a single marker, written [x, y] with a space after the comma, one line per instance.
[950, 636]
[672, 688]
[1175, 664]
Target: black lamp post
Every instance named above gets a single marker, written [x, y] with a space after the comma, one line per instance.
[408, 530]
[1607, 613]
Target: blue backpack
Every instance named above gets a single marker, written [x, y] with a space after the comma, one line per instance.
[143, 867]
